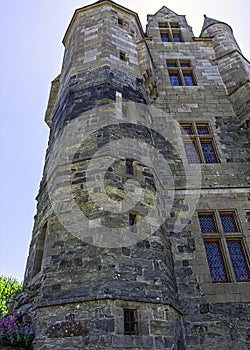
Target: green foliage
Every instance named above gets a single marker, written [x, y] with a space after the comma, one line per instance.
[8, 287]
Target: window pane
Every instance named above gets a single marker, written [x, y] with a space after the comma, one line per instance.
[130, 322]
[163, 24]
[172, 64]
[207, 223]
[185, 64]
[228, 222]
[165, 37]
[208, 151]
[174, 79]
[215, 261]
[202, 129]
[186, 130]
[174, 25]
[191, 153]
[177, 37]
[188, 79]
[238, 259]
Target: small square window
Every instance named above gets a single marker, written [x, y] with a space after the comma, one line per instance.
[122, 55]
[174, 25]
[120, 21]
[130, 322]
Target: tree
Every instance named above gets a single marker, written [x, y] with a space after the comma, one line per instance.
[8, 287]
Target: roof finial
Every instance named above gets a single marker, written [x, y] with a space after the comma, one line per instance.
[205, 16]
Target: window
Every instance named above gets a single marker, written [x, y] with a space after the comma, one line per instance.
[224, 246]
[132, 222]
[198, 143]
[170, 32]
[120, 21]
[130, 322]
[180, 73]
[122, 56]
[40, 241]
[129, 167]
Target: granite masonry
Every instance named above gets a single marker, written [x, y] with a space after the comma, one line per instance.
[141, 238]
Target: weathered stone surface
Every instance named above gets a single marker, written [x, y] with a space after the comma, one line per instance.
[114, 86]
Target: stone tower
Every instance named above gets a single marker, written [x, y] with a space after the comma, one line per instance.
[141, 238]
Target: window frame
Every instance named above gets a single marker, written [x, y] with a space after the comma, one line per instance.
[181, 67]
[172, 30]
[132, 321]
[223, 238]
[198, 139]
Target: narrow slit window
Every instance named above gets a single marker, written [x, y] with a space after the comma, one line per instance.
[129, 167]
[122, 55]
[132, 222]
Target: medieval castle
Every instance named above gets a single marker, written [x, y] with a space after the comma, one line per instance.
[141, 238]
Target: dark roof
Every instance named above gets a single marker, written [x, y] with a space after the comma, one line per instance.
[208, 21]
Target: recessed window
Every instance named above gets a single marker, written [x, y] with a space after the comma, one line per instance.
[198, 143]
[130, 322]
[120, 21]
[180, 73]
[224, 246]
[170, 32]
[129, 167]
[122, 56]
[39, 248]
[132, 222]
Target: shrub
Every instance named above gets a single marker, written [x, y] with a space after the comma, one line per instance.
[15, 331]
[8, 287]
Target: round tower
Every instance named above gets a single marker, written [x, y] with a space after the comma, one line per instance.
[222, 34]
[100, 259]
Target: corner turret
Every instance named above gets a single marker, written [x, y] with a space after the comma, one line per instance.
[233, 66]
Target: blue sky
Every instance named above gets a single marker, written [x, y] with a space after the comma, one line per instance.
[31, 56]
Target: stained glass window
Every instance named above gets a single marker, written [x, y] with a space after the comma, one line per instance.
[207, 223]
[201, 149]
[226, 255]
[208, 151]
[191, 153]
[238, 259]
[228, 222]
[186, 130]
[202, 129]
[215, 261]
